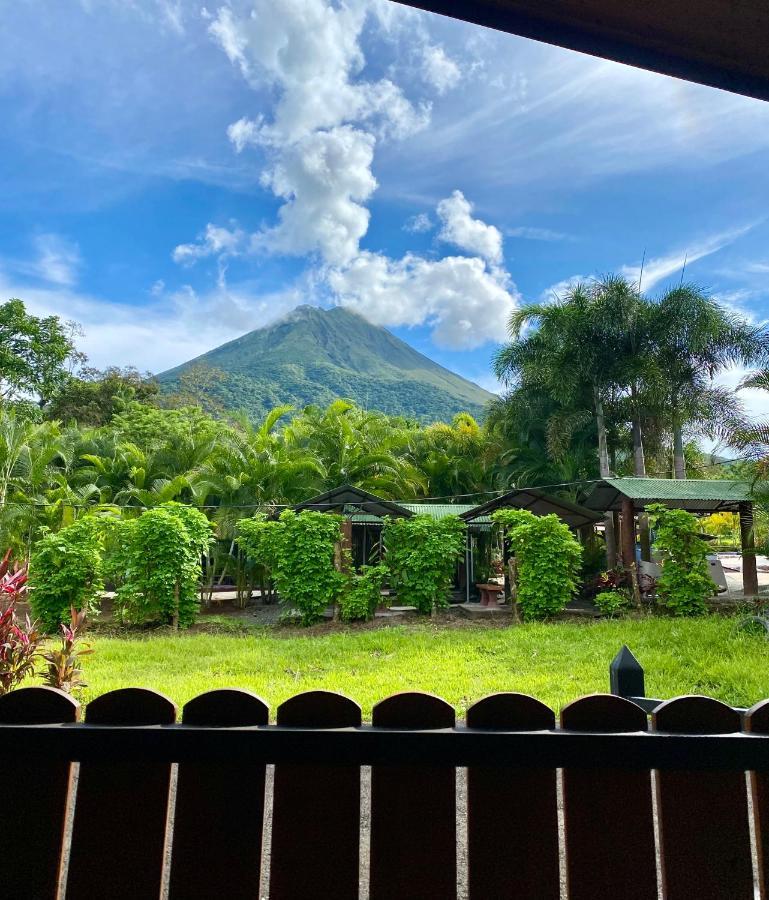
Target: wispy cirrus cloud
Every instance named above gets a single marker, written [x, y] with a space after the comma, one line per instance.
[657, 269]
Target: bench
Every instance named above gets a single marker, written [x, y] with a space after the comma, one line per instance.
[184, 805]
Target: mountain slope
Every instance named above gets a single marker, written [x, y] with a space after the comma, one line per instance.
[314, 356]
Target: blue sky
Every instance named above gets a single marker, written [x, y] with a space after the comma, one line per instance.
[174, 175]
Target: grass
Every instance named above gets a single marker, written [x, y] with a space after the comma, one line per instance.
[555, 662]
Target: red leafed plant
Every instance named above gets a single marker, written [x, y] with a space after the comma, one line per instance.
[18, 647]
[13, 580]
[63, 664]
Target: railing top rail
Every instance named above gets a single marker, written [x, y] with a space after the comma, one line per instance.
[367, 745]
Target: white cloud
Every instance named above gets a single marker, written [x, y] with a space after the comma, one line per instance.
[755, 401]
[561, 288]
[465, 304]
[463, 231]
[659, 268]
[419, 224]
[58, 259]
[324, 179]
[124, 334]
[438, 69]
[309, 50]
[536, 234]
[215, 241]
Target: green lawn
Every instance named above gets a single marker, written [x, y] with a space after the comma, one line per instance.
[555, 662]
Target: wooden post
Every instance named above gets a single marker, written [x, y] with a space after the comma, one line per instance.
[628, 547]
[628, 533]
[748, 547]
[346, 543]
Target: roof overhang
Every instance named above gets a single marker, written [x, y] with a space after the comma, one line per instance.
[539, 503]
[348, 496]
[693, 495]
[721, 43]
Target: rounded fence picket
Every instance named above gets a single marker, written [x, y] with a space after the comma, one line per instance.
[413, 809]
[121, 808]
[519, 804]
[703, 816]
[608, 816]
[316, 810]
[219, 812]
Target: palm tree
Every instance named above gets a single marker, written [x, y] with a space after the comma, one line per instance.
[694, 340]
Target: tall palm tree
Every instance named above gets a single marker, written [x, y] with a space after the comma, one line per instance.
[695, 339]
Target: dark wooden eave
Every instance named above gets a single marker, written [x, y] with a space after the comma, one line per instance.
[347, 495]
[721, 43]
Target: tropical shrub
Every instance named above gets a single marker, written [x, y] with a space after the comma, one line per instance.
[363, 593]
[548, 559]
[65, 572]
[160, 556]
[13, 581]
[421, 553]
[63, 663]
[685, 584]
[18, 648]
[300, 551]
[612, 603]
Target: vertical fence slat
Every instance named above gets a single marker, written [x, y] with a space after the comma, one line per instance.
[316, 810]
[121, 808]
[703, 816]
[34, 796]
[219, 813]
[608, 815]
[757, 722]
[512, 814]
[413, 810]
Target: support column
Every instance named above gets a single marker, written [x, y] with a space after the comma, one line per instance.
[346, 543]
[628, 548]
[748, 546]
[628, 533]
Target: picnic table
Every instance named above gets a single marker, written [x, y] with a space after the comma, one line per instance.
[490, 593]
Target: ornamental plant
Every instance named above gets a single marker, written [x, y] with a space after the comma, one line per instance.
[685, 584]
[13, 578]
[363, 593]
[65, 572]
[612, 603]
[300, 552]
[160, 555]
[421, 555]
[18, 648]
[548, 559]
[63, 663]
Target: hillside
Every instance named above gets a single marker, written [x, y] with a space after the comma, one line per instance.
[315, 356]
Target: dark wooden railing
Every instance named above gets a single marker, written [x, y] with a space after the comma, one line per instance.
[154, 808]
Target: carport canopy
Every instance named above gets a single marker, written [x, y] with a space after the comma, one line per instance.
[696, 495]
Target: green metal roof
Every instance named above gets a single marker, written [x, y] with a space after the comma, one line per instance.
[694, 494]
[436, 510]
[440, 510]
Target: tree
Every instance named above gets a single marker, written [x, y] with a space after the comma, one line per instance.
[34, 353]
[94, 397]
[695, 338]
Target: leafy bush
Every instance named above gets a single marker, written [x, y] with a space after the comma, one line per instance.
[421, 553]
[65, 572]
[363, 593]
[63, 669]
[548, 559]
[18, 648]
[612, 603]
[299, 551]
[685, 584]
[159, 554]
